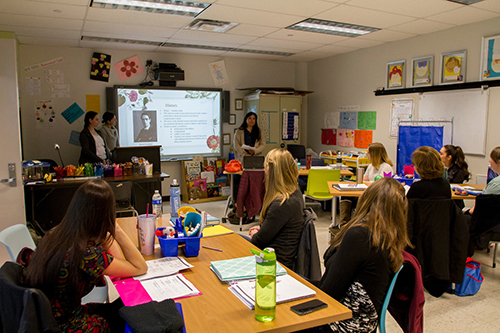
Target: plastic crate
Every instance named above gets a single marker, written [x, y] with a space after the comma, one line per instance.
[170, 246]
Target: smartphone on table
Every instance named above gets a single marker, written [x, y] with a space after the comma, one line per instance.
[308, 307]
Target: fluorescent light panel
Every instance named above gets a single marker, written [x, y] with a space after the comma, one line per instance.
[332, 27]
[465, 2]
[190, 46]
[186, 8]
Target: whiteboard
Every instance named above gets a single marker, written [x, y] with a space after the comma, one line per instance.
[468, 108]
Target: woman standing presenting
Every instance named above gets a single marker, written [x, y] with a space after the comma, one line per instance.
[109, 132]
[93, 146]
[249, 134]
[379, 162]
[74, 257]
[365, 254]
[454, 159]
[282, 210]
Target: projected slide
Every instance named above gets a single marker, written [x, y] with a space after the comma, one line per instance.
[183, 122]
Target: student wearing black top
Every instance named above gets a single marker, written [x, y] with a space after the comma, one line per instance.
[282, 213]
[458, 171]
[430, 168]
[365, 254]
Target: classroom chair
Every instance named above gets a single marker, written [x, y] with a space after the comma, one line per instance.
[124, 194]
[317, 187]
[297, 151]
[23, 310]
[387, 299]
[307, 261]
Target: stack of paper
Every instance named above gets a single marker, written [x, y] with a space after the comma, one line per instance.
[232, 270]
[350, 187]
[287, 289]
[163, 267]
[174, 286]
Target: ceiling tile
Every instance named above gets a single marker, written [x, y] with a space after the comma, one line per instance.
[267, 48]
[189, 51]
[420, 8]
[204, 42]
[249, 16]
[42, 9]
[387, 35]
[245, 55]
[212, 36]
[335, 49]
[359, 43]
[421, 27]
[491, 5]
[84, 3]
[291, 45]
[47, 41]
[139, 18]
[292, 7]
[40, 32]
[306, 56]
[118, 46]
[125, 35]
[362, 16]
[113, 28]
[251, 30]
[305, 36]
[40, 22]
[464, 15]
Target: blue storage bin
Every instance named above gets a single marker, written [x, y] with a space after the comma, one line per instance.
[170, 246]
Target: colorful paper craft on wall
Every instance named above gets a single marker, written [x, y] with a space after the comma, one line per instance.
[345, 138]
[72, 113]
[100, 68]
[362, 138]
[128, 68]
[348, 120]
[44, 113]
[367, 120]
[329, 137]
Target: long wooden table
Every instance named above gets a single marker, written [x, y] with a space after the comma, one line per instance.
[218, 310]
[336, 193]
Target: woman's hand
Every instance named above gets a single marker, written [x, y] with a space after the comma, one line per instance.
[253, 230]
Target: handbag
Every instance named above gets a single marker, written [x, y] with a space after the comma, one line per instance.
[233, 166]
[472, 279]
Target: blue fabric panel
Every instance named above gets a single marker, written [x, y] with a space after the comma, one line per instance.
[412, 137]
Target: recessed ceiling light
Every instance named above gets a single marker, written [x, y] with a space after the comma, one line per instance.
[332, 27]
[210, 25]
[465, 2]
[172, 7]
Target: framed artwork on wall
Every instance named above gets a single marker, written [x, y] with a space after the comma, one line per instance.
[453, 67]
[490, 58]
[238, 104]
[226, 139]
[396, 78]
[232, 119]
[422, 70]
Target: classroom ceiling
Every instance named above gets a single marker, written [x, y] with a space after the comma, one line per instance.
[261, 25]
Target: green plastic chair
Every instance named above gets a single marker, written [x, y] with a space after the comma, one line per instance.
[317, 187]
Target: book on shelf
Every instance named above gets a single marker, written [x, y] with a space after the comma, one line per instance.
[287, 289]
[350, 187]
[238, 269]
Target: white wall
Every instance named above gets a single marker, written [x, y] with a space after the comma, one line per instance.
[350, 79]
[39, 142]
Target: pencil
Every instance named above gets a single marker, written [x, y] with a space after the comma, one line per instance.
[211, 248]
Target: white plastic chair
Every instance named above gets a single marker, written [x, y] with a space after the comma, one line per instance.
[17, 237]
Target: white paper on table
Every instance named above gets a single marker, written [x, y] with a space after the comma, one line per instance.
[174, 286]
[164, 266]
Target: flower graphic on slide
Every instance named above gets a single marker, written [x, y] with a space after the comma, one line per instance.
[133, 96]
[213, 142]
[128, 68]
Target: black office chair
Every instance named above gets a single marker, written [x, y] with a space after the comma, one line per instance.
[297, 151]
[123, 197]
[23, 309]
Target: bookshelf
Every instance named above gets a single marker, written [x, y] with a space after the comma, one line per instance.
[203, 181]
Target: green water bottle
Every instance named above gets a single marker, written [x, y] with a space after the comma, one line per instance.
[265, 284]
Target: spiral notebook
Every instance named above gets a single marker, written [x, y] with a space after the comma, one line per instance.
[238, 269]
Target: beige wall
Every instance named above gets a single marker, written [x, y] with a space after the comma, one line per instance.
[350, 79]
[39, 142]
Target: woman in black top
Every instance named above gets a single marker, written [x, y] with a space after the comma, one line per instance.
[458, 171]
[430, 168]
[93, 145]
[365, 254]
[282, 213]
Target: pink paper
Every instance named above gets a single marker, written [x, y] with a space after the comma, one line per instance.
[132, 292]
[128, 68]
[345, 137]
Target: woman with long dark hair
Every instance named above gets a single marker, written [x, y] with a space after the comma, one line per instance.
[74, 257]
[249, 139]
[93, 145]
[454, 159]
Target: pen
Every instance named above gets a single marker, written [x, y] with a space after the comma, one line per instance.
[211, 248]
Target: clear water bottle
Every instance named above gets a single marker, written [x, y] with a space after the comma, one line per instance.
[265, 284]
[175, 198]
[157, 204]
[339, 160]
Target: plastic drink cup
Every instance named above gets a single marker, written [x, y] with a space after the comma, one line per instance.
[147, 233]
[359, 175]
[308, 161]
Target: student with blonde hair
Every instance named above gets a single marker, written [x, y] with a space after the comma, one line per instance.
[429, 166]
[380, 162]
[365, 254]
[282, 214]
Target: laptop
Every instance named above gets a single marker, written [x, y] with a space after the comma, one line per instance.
[253, 162]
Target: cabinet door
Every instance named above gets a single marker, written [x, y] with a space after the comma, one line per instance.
[269, 121]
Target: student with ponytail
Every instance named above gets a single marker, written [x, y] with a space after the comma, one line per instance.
[454, 159]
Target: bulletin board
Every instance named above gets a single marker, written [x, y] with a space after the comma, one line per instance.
[470, 112]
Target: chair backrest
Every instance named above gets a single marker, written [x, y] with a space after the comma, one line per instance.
[307, 262]
[314, 161]
[15, 238]
[123, 193]
[486, 214]
[297, 151]
[316, 181]
[383, 312]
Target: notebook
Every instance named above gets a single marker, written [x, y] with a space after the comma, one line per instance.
[238, 268]
[253, 162]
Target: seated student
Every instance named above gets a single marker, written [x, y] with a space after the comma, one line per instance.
[282, 214]
[380, 163]
[493, 186]
[458, 171]
[365, 254]
[74, 257]
[429, 166]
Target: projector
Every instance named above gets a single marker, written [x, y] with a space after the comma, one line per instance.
[168, 74]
